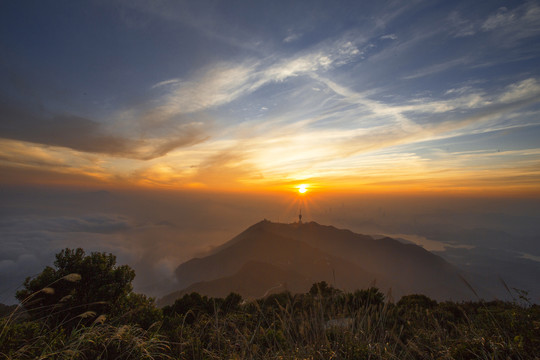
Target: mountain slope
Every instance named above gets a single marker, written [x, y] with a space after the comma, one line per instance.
[253, 280]
[411, 266]
[258, 244]
[298, 254]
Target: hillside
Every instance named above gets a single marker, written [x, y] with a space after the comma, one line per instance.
[270, 256]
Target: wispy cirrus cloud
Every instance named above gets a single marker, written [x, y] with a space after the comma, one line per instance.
[437, 68]
[523, 20]
[302, 148]
[389, 37]
[292, 37]
[223, 83]
[365, 125]
[378, 126]
[509, 25]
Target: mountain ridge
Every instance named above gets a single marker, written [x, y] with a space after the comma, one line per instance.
[315, 252]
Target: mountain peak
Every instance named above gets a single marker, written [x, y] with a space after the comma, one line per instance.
[315, 252]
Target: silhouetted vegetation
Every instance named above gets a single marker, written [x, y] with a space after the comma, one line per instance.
[102, 318]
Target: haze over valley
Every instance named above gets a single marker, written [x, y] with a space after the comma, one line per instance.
[156, 231]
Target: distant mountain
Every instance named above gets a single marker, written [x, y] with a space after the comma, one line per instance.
[270, 257]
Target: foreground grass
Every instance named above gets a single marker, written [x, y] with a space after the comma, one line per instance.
[323, 324]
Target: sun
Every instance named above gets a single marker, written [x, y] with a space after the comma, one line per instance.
[302, 188]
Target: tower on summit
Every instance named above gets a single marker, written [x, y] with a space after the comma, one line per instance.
[300, 216]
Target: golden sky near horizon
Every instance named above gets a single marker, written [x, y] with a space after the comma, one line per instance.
[35, 164]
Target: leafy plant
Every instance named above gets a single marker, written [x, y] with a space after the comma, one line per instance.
[324, 323]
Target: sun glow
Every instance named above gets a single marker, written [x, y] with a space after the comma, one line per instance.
[302, 188]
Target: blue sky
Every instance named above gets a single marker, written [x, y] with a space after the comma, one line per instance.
[236, 94]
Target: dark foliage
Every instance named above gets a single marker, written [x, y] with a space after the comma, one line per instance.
[80, 287]
[324, 323]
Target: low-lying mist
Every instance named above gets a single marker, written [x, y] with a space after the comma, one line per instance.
[493, 239]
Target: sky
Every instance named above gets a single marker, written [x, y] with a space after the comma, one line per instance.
[244, 95]
[158, 130]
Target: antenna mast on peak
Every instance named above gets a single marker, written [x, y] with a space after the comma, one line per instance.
[300, 216]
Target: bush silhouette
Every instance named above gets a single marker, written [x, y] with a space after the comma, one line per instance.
[78, 287]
